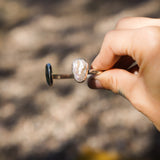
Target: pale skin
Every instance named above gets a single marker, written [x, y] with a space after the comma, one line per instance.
[133, 39]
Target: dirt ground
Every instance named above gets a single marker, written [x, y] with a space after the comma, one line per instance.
[68, 121]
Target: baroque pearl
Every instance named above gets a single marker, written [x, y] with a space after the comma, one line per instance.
[80, 70]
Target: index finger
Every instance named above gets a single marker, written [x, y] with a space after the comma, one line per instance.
[118, 43]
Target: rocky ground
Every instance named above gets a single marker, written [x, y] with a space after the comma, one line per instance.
[68, 121]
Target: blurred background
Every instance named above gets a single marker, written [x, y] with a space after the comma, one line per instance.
[68, 121]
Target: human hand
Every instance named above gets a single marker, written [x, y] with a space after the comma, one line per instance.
[134, 39]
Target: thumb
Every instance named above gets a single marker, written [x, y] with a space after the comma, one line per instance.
[117, 80]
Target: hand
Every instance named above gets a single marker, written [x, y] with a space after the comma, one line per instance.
[134, 39]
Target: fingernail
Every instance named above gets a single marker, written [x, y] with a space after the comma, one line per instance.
[94, 83]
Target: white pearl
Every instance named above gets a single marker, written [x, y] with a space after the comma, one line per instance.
[80, 70]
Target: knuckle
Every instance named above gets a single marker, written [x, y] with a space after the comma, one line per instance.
[147, 40]
[108, 35]
[122, 22]
[153, 38]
